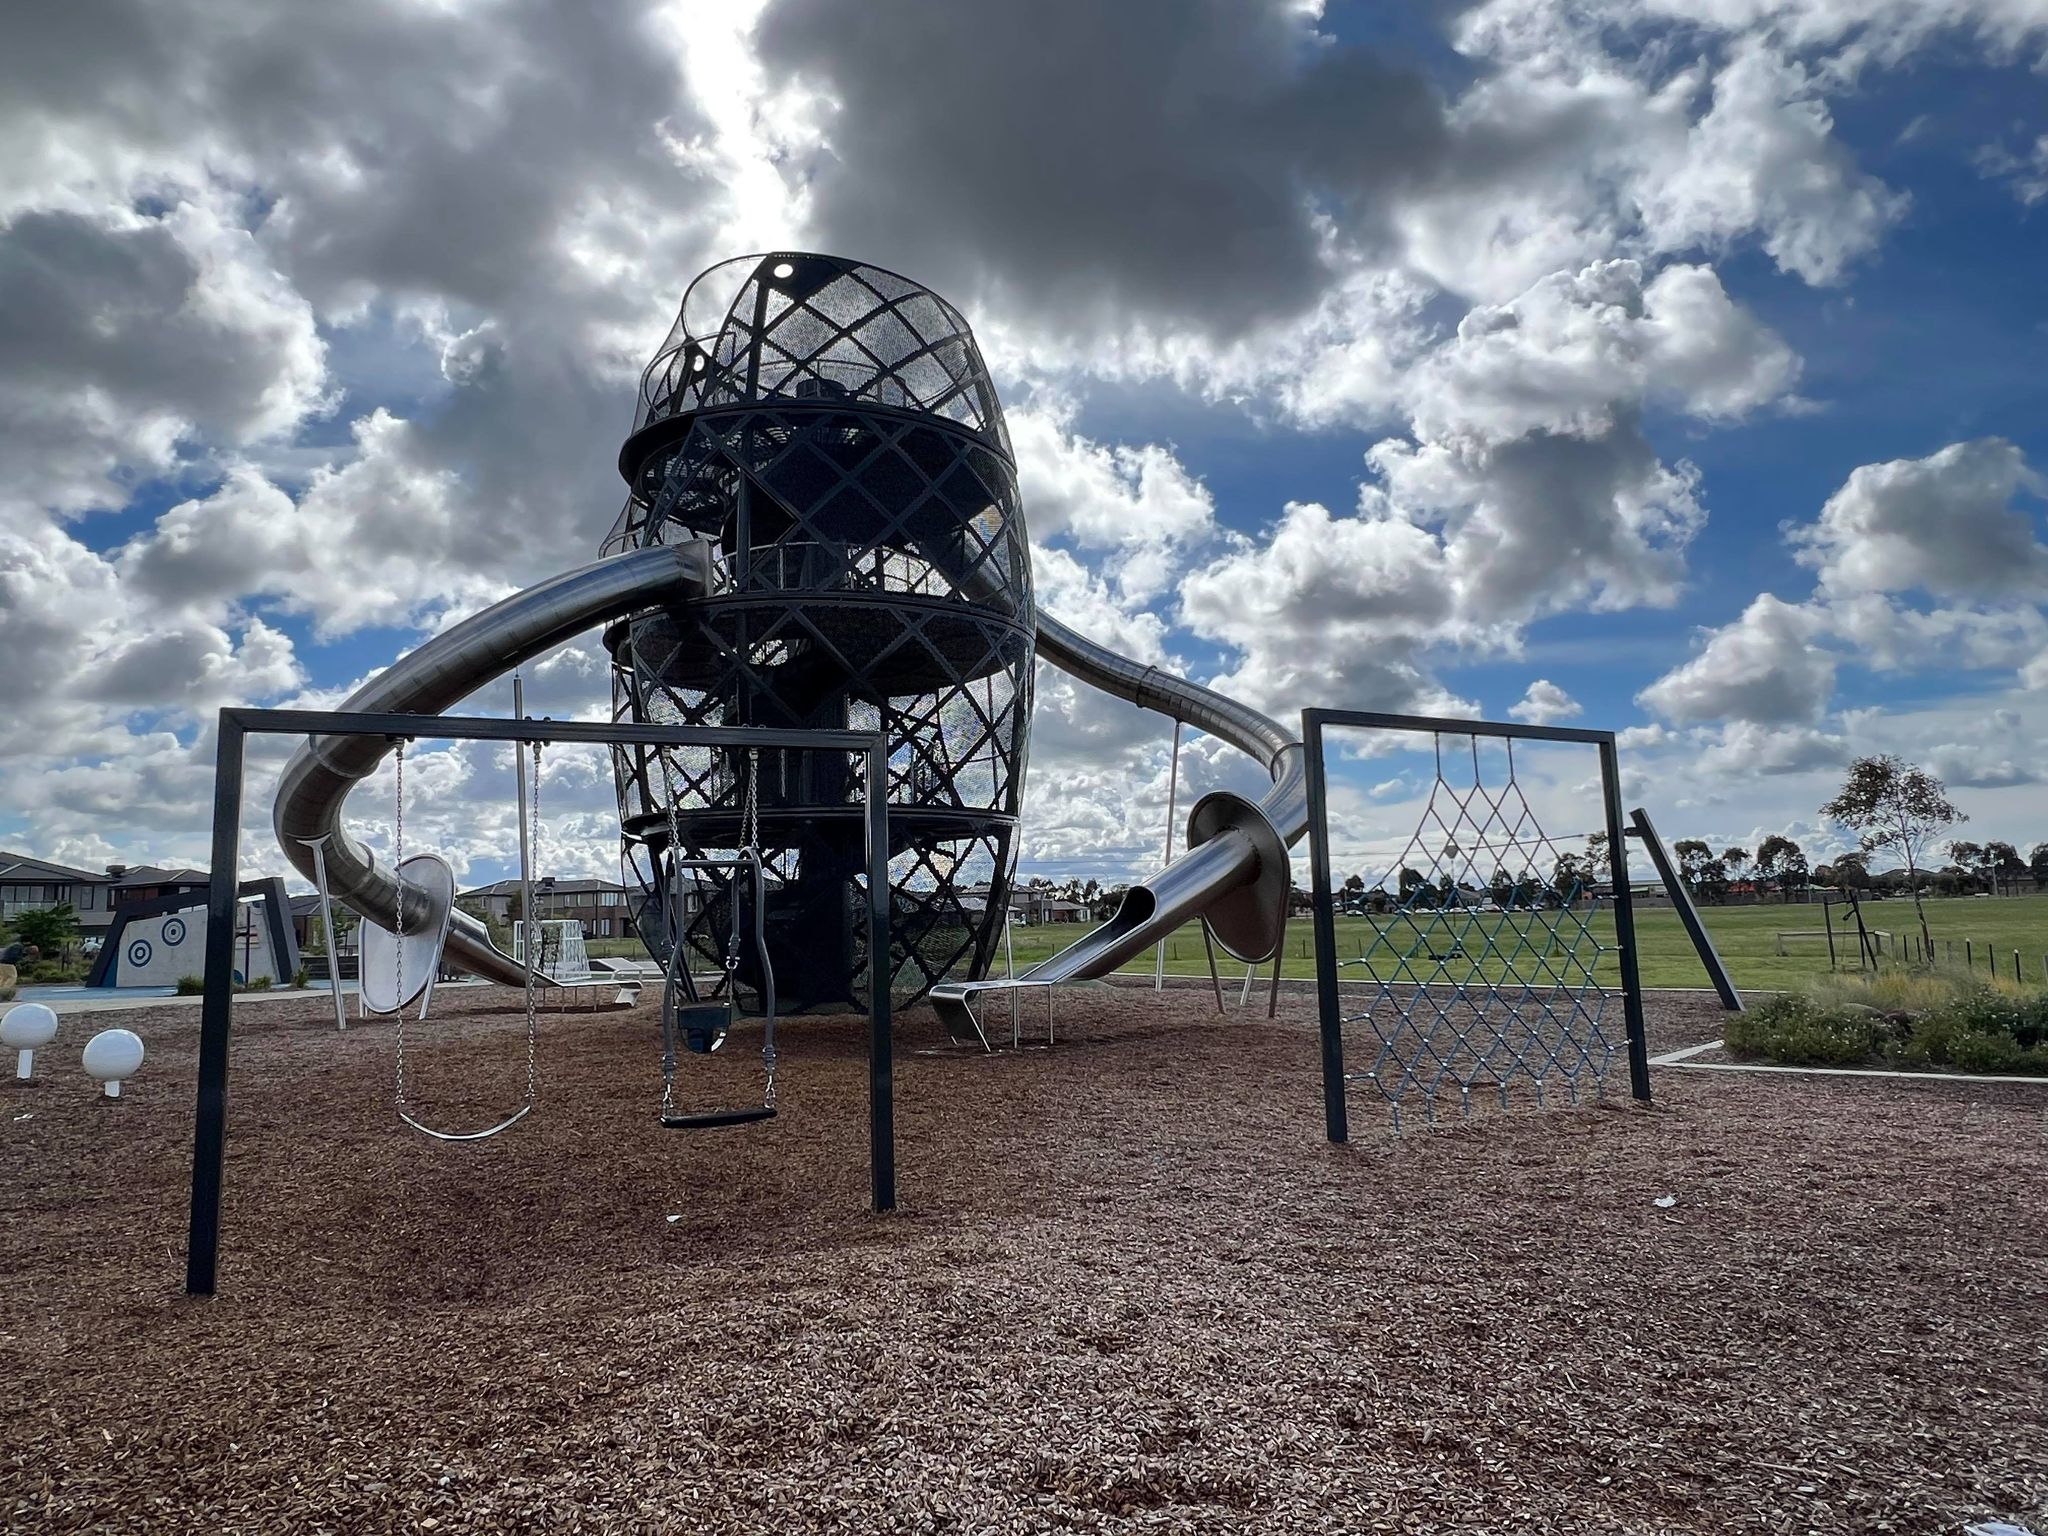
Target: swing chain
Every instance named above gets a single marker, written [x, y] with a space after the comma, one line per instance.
[398, 916]
[750, 825]
[750, 837]
[671, 916]
[532, 1022]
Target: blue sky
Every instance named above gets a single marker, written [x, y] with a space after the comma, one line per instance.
[318, 342]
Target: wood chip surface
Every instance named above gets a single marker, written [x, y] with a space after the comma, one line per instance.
[1130, 1289]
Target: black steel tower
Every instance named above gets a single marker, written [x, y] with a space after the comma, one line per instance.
[830, 428]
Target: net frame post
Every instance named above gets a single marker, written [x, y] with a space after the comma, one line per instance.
[1624, 922]
[1688, 914]
[1336, 1112]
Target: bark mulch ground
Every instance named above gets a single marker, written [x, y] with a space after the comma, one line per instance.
[1130, 1289]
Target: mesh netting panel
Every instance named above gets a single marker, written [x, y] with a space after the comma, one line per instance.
[1486, 961]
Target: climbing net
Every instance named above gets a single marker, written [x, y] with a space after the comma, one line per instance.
[1485, 959]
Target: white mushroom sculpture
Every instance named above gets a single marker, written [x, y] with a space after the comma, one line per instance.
[112, 1056]
[26, 1026]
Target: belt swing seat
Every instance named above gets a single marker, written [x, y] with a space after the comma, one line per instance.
[701, 1027]
[529, 838]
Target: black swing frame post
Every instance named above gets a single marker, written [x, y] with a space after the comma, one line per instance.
[216, 1013]
[1314, 722]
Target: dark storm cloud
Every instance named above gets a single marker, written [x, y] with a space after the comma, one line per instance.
[416, 149]
[1157, 156]
[106, 309]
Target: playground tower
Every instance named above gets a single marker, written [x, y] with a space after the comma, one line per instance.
[830, 430]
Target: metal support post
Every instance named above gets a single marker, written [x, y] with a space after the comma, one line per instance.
[1688, 914]
[1625, 924]
[1279, 959]
[319, 847]
[216, 1012]
[527, 933]
[1172, 793]
[881, 1044]
[1336, 1114]
[1209, 948]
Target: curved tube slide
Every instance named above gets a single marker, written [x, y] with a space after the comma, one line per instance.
[1235, 872]
[443, 671]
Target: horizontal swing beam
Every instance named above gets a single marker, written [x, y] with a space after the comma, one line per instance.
[318, 722]
[216, 1017]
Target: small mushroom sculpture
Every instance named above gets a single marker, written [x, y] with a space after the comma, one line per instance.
[26, 1026]
[112, 1056]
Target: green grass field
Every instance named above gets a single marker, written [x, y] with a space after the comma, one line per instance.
[1745, 936]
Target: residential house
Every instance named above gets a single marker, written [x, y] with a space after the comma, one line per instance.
[147, 882]
[27, 883]
[603, 907]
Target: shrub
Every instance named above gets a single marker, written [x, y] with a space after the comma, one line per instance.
[191, 986]
[1981, 1029]
[1795, 1030]
[7, 993]
[260, 984]
[301, 978]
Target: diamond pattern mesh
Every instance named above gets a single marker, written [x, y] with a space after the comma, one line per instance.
[1486, 968]
[831, 430]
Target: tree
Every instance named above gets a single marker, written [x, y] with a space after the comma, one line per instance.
[47, 928]
[1851, 871]
[1969, 858]
[1781, 862]
[2006, 866]
[1735, 861]
[2037, 863]
[1415, 891]
[1706, 874]
[1896, 808]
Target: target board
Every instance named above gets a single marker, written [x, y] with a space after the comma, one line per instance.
[161, 949]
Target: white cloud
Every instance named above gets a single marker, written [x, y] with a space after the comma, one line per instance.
[1581, 350]
[125, 335]
[1764, 158]
[2025, 170]
[383, 539]
[1328, 609]
[1946, 524]
[1763, 669]
[1544, 703]
[1137, 506]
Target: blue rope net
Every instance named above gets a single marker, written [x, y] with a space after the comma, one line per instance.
[1484, 971]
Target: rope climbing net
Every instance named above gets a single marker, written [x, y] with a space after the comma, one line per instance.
[1483, 957]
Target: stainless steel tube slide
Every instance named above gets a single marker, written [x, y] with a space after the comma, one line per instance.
[1236, 871]
[440, 673]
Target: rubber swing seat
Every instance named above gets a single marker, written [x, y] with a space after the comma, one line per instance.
[711, 1120]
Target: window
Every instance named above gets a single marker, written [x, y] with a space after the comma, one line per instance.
[88, 898]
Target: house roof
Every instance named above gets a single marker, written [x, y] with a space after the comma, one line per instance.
[559, 888]
[155, 874]
[17, 866]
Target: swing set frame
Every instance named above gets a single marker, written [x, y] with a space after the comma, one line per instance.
[216, 1013]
